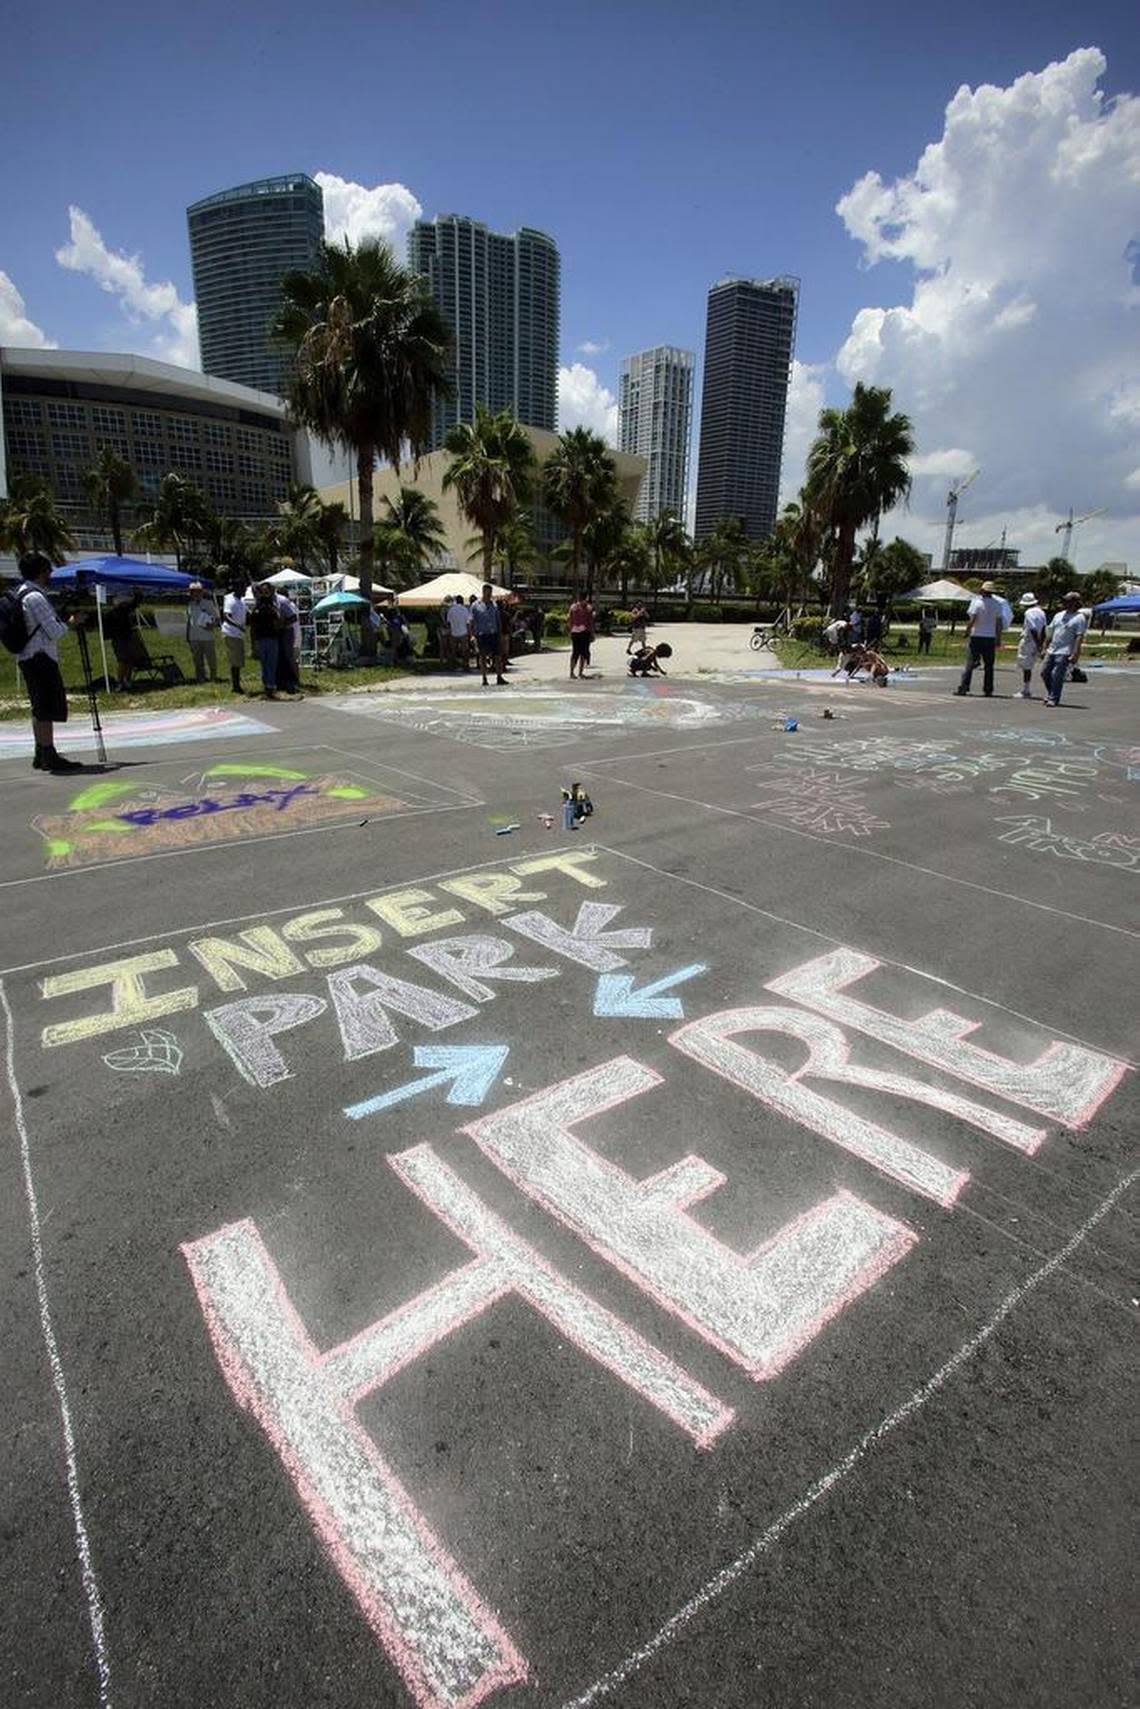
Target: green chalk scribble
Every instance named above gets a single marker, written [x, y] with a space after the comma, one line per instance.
[98, 795]
[233, 768]
[348, 792]
[58, 847]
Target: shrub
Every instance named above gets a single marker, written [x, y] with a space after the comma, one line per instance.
[808, 629]
[555, 624]
[707, 614]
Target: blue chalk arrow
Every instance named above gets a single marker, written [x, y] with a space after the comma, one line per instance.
[472, 1070]
[615, 995]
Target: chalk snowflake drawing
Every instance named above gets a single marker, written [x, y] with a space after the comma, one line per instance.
[158, 1053]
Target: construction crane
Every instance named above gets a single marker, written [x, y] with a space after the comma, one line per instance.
[952, 498]
[1071, 522]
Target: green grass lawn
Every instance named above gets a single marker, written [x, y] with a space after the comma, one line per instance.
[14, 704]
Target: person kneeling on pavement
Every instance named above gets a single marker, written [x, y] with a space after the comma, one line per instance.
[30, 628]
[646, 660]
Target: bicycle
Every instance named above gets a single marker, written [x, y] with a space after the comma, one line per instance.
[764, 634]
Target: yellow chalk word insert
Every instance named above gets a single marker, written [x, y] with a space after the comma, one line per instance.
[498, 892]
[323, 923]
[131, 1003]
[408, 912]
[260, 950]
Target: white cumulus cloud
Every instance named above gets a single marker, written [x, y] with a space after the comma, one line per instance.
[15, 327]
[175, 338]
[805, 400]
[594, 346]
[1020, 224]
[583, 401]
[356, 211]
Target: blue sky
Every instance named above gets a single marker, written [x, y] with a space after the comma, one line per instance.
[661, 145]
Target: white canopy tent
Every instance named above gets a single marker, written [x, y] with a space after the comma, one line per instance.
[453, 584]
[941, 592]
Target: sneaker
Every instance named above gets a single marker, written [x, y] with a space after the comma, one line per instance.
[962, 691]
[502, 682]
[1049, 703]
[1027, 694]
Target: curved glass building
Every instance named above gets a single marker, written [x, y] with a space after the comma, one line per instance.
[242, 243]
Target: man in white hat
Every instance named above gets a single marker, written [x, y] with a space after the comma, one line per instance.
[985, 620]
[1032, 641]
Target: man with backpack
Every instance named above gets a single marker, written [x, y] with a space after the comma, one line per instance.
[30, 628]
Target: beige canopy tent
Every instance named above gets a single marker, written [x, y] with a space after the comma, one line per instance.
[942, 592]
[453, 584]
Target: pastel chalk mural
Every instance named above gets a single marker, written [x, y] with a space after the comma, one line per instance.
[411, 1012]
[541, 717]
[228, 801]
[140, 730]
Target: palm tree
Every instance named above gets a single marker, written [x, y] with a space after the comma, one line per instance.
[491, 472]
[407, 536]
[371, 355]
[296, 532]
[515, 548]
[723, 554]
[668, 543]
[602, 538]
[31, 522]
[632, 559]
[236, 549]
[110, 484]
[580, 477]
[329, 528]
[887, 572]
[179, 516]
[857, 469]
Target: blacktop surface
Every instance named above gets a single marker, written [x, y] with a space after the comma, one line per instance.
[685, 1260]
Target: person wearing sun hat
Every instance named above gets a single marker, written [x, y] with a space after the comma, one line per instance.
[1032, 641]
[1066, 633]
[985, 620]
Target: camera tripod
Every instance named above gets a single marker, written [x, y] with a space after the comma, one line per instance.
[92, 699]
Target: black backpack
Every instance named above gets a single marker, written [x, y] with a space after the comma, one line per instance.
[14, 631]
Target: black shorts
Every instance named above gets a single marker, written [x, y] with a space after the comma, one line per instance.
[580, 644]
[45, 688]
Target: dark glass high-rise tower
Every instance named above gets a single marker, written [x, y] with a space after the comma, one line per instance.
[500, 296]
[242, 243]
[750, 340]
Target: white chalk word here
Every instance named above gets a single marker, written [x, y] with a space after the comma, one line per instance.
[434, 1626]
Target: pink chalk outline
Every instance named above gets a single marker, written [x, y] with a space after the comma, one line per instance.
[819, 984]
[696, 1179]
[510, 1667]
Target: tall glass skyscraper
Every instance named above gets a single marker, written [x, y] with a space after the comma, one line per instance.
[500, 296]
[655, 420]
[750, 340]
[242, 243]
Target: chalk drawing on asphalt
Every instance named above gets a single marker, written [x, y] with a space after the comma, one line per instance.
[111, 821]
[1034, 834]
[143, 730]
[826, 802]
[157, 1052]
[448, 1644]
[540, 717]
[760, 1308]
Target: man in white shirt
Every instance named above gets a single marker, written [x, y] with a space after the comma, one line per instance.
[39, 661]
[1032, 640]
[201, 632]
[985, 620]
[459, 627]
[234, 619]
[1066, 634]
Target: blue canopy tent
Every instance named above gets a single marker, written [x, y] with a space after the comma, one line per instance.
[1124, 602]
[112, 571]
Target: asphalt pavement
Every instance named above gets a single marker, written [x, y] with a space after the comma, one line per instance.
[687, 1259]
